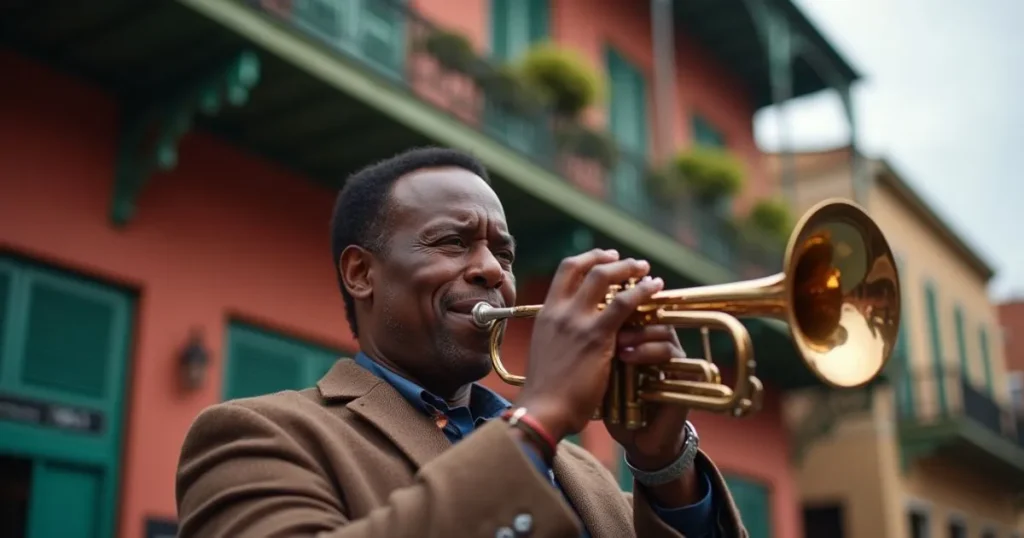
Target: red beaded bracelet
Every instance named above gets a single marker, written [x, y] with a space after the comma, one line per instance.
[518, 417]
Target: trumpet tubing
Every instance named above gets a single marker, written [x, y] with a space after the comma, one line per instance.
[838, 293]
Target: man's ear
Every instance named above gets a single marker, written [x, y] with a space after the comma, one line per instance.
[355, 267]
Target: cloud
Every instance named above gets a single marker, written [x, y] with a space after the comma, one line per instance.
[940, 99]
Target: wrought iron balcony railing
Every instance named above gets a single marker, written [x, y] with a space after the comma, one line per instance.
[388, 37]
[948, 394]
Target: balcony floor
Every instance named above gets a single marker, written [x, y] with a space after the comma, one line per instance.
[964, 441]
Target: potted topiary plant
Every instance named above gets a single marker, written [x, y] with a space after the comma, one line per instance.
[451, 49]
[711, 174]
[567, 81]
[772, 216]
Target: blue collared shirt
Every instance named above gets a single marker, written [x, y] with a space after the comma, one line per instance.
[695, 521]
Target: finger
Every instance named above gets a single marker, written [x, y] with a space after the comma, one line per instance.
[572, 270]
[634, 336]
[595, 284]
[649, 353]
[627, 301]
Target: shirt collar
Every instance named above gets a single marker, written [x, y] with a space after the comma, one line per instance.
[484, 404]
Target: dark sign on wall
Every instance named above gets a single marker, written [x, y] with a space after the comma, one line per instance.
[158, 527]
[50, 414]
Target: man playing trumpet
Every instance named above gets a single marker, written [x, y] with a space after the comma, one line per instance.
[402, 441]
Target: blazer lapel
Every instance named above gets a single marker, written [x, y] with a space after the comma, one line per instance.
[377, 402]
[598, 501]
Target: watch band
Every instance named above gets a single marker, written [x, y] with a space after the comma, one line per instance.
[674, 470]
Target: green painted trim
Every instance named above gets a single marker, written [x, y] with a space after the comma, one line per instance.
[938, 364]
[321, 62]
[986, 359]
[961, 343]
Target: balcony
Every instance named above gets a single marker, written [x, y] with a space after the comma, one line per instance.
[341, 84]
[949, 417]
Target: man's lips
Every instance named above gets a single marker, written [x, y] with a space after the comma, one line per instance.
[465, 306]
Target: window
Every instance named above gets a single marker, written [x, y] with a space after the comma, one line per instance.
[957, 528]
[627, 122]
[259, 362]
[986, 359]
[918, 524]
[1016, 386]
[754, 503]
[705, 134]
[516, 25]
[938, 364]
[370, 30]
[961, 343]
[823, 521]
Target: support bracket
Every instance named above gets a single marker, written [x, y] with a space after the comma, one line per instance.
[151, 128]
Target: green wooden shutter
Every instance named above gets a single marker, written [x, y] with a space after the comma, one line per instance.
[986, 359]
[961, 343]
[64, 341]
[754, 504]
[259, 362]
[934, 331]
[705, 134]
[65, 501]
[540, 20]
[627, 121]
[516, 25]
[905, 391]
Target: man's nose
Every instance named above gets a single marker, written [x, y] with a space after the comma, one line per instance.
[485, 270]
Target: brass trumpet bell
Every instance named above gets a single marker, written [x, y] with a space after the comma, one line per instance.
[838, 293]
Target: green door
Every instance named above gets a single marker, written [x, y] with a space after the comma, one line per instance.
[261, 362]
[627, 121]
[64, 341]
[754, 503]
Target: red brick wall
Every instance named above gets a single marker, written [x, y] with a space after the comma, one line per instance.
[1011, 317]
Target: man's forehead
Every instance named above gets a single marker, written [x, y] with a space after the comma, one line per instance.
[443, 187]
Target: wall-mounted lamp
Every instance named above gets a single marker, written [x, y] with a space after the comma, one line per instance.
[192, 362]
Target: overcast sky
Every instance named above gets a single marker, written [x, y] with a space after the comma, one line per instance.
[942, 97]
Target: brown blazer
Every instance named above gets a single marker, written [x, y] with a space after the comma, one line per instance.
[352, 458]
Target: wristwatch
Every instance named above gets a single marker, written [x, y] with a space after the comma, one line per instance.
[674, 470]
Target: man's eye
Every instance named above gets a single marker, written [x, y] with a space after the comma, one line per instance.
[454, 241]
[507, 256]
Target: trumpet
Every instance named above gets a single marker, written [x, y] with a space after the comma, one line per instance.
[838, 293]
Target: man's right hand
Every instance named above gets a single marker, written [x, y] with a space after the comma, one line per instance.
[573, 341]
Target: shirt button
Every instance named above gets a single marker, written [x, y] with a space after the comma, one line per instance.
[522, 523]
[505, 532]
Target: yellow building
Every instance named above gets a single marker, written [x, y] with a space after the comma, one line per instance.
[936, 452]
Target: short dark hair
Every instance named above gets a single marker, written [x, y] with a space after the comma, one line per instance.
[361, 209]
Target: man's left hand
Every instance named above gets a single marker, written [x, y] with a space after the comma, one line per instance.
[660, 442]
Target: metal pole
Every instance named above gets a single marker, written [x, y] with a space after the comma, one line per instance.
[663, 31]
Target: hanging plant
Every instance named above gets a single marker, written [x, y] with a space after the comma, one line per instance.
[710, 173]
[773, 216]
[588, 143]
[452, 50]
[567, 81]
